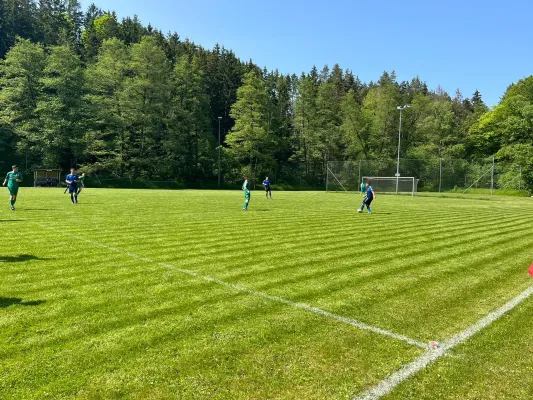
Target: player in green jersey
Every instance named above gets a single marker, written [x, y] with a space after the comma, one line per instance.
[246, 189]
[81, 181]
[12, 181]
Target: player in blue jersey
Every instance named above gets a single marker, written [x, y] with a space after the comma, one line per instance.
[72, 182]
[266, 184]
[370, 195]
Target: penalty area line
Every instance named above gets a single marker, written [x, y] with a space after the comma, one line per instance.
[388, 384]
[243, 289]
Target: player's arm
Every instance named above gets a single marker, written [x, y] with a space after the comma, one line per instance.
[5, 180]
[69, 182]
[18, 180]
[373, 194]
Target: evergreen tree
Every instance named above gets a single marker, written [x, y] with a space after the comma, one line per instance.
[60, 109]
[249, 142]
[21, 90]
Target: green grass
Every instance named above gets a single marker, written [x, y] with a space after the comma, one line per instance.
[78, 320]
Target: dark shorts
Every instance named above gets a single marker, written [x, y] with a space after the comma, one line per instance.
[267, 188]
[72, 188]
[368, 201]
[13, 191]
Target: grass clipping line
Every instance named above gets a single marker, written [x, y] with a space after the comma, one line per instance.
[239, 288]
[431, 355]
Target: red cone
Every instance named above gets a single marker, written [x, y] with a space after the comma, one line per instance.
[530, 270]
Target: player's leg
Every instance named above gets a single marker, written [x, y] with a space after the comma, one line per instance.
[368, 206]
[266, 192]
[270, 192]
[246, 201]
[362, 205]
[79, 190]
[66, 190]
[71, 191]
[13, 192]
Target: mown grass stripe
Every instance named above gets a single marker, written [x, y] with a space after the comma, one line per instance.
[388, 384]
[240, 288]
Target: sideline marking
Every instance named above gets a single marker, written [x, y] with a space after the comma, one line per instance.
[431, 355]
[243, 289]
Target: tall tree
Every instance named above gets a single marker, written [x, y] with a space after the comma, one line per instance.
[107, 137]
[249, 143]
[21, 89]
[60, 109]
[190, 142]
[145, 100]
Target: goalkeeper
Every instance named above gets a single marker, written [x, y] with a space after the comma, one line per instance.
[370, 196]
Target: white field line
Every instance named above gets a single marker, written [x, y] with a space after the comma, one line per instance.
[429, 356]
[239, 288]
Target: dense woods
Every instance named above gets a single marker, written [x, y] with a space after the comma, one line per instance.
[121, 99]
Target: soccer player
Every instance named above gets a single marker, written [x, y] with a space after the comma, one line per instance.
[12, 181]
[370, 195]
[266, 184]
[72, 182]
[363, 187]
[246, 189]
[82, 183]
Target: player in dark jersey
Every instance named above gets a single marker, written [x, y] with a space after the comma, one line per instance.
[370, 195]
[12, 181]
[266, 184]
[72, 182]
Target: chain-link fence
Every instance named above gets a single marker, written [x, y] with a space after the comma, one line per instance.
[433, 175]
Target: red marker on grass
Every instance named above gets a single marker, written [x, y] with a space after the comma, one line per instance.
[530, 270]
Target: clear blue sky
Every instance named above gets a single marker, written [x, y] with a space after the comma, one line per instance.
[466, 44]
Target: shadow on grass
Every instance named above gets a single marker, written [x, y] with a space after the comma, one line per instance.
[39, 209]
[21, 258]
[7, 301]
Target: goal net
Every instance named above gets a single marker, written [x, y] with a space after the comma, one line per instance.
[392, 184]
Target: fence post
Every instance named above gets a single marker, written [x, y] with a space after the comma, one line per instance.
[440, 174]
[492, 178]
[520, 179]
[359, 180]
[327, 175]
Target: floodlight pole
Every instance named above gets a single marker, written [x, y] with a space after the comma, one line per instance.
[401, 108]
[219, 175]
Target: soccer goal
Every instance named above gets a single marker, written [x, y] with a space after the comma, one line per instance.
[392, 184]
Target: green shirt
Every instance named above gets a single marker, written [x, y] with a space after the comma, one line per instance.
[81, 180]
[11, 179]
[246, 187]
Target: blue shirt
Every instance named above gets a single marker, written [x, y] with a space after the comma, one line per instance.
[73, 178]
[369, 194]
[266, 182]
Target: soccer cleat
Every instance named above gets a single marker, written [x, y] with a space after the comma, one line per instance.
[359, 210]
[12, 208]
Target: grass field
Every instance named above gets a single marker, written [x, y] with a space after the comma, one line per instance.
[182, 295]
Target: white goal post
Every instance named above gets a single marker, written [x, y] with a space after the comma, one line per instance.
[392, 184]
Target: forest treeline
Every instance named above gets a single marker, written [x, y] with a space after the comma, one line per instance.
[118, 98]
